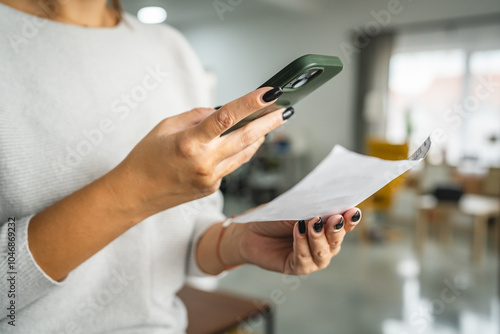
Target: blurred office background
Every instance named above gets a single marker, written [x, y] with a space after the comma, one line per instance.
[425, 257]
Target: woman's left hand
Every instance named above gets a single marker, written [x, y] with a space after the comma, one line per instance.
[291, 247]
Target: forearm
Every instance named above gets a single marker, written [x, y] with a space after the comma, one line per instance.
[69, 232]
[206, 250]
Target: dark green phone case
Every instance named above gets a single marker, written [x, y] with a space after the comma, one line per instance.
[328, 66]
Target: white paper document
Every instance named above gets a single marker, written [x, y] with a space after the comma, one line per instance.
[341, 181]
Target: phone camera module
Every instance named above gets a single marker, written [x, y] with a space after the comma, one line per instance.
[298, 81]
[304, 78]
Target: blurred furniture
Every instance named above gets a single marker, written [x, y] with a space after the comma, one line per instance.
[218, 312]
[430, 210]
[381, 201]
[491, 182]
[470, 176]
[275, 169]
[433, 174]
[383, 198]
[480, 208]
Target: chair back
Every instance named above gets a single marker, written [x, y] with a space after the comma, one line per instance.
[382, 199]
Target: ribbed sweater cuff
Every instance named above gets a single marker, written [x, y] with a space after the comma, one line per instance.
[31, 282]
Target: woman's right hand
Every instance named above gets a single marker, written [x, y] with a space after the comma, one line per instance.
[184, 158]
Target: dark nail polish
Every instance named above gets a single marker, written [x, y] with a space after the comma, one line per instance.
[302, 227]
[218, 107]
[356, 216]
[340, 224]
[288, 113]
[318, 226]
[272, 94]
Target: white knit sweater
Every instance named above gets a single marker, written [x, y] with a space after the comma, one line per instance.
[73, 102]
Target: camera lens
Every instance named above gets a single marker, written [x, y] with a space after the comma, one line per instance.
[312, 73]
[299, 82]
[304, 78]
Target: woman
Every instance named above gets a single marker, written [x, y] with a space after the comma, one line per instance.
[101, 221]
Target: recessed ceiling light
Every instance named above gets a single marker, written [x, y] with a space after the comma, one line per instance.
[152, 15]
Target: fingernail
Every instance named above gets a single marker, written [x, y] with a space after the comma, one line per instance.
[218, 107]
[273, 94]
[318, 226]
[302, 227]
[356, 216]
[340, 224]
[288, 113]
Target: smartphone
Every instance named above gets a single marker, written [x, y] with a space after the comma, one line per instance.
[298, 79]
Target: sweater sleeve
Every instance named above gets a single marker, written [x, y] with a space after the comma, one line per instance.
[209, 212]
[23, 281]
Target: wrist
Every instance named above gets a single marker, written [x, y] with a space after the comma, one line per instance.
[125, 196]
[230, 245]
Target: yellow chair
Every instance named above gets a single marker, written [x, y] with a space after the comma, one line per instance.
[382, 200]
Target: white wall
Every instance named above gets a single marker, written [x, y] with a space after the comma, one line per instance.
[256, 39]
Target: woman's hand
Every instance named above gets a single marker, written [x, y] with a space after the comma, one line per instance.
[289, 247]
[181, 159]
[184, 158]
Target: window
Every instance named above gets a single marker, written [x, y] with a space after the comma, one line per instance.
[448, 86]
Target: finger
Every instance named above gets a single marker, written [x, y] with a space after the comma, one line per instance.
[238, 140]
[318, 244]
[352, 218]
[301, 261]
[186, 119]
[195, 116]
[229, 165]
[234, 111]
[335, 232]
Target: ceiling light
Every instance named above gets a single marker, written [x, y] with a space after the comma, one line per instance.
[152, 15]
